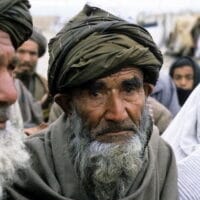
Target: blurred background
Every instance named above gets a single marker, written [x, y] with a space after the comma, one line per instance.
[174, 24]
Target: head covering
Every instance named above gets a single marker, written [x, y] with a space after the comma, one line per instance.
[186, 60]
[40, 39]
[15, 19]
[96, 43]
[183, 134]
[183, 94]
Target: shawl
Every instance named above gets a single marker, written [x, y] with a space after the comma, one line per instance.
[15, 19]
[185, 139]
[30, 109]
[183, 134]
[52, 175]
[96, 43]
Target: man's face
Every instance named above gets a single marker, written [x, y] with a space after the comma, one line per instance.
[27, 54]
[8, 93]
[110, 103]
[184, 77]
[108, 131]
[12, 152]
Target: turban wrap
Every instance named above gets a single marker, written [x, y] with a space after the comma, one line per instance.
[40, 39]
[96, 43]
[15, 19]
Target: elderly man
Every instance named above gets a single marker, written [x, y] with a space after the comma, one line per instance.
[103, 147]
[15, 28]
[28, 54]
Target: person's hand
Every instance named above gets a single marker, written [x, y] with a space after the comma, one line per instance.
[35, 130]
[7, 51]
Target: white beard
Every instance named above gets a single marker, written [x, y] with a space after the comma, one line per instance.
[106, 169]
[12, 151]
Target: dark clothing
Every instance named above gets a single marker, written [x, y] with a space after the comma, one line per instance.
[35, 83]
[30, 109]
[37, 86]
[52, 175]
[183, 95]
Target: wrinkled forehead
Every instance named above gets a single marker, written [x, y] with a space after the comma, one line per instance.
[125, 73]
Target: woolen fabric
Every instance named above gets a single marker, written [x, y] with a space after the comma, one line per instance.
[96, 43]
[52, 175]
[15, 19]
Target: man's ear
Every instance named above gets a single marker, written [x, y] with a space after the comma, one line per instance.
[148, 88]
[63, 100]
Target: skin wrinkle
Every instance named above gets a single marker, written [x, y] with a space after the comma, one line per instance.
[83, 149]
[105, 149]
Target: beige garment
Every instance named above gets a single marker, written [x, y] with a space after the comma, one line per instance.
[160, 114]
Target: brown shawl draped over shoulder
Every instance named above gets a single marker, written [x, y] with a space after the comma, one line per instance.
[16, 20]
[96, 43]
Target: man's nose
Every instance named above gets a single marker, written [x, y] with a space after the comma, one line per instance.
[183, 82]
[8, 93]
[26, 56]
[115, 109]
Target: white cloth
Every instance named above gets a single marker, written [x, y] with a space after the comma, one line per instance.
[183, 134]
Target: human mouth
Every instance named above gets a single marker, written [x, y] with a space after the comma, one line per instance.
[115, 137]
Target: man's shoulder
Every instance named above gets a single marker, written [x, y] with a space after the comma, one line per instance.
[159, 146]
[42, 79]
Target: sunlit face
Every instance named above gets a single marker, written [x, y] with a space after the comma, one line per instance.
[106, 102]
[184, 77]
[28, 57]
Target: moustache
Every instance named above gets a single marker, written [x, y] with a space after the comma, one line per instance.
[107, 127]
[27, 64]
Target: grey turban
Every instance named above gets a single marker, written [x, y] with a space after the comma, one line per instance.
[96, 43]
[40, 39]
[15, 19]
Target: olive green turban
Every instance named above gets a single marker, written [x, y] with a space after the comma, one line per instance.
[40, 39]
[15, 19]
[96, 43]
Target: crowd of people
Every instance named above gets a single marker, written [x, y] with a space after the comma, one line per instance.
[107, 124]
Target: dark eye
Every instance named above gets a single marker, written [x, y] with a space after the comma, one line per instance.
[129, 88]
[95, 89]
[132, 85]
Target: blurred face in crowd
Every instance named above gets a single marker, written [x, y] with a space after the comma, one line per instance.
[27, 55]
[184, 77]
[12, 153]
[111, 125]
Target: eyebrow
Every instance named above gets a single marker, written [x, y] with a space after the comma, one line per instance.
[93, 85]
[134, 82]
